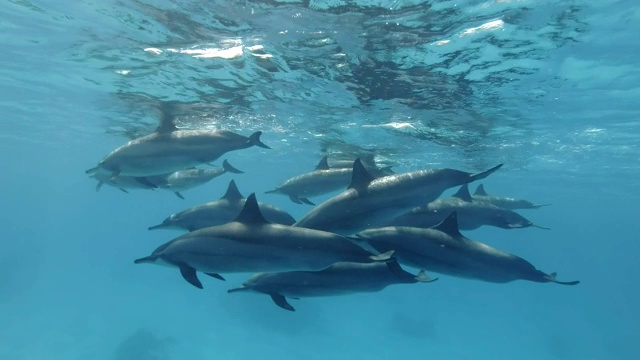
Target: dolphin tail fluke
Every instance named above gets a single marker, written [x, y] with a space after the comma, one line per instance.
[484, 174]
[254, 140]
[552, 278]
[146, 182]
[295, 199]
[384, 257]
[424, 278]
[178, 194]
[228, 168]
[217, 276]
[146, 259]
[282, 302]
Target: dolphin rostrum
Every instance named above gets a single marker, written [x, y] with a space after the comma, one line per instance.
[444, 250]
[368, 202]
[221, 212]
[250, 243]
[471, 214]
[341, 278]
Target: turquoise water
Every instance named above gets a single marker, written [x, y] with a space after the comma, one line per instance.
[550, 88]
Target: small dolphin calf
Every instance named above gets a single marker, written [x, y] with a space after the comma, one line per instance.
[338, 279]
[369, 202]
[175, 182]
[252, 244]
[187, 179]
[320, 181]
[123, 183]
[471, 214]
[221, 212]
[169, 149]
[444, 250]
[504, 202]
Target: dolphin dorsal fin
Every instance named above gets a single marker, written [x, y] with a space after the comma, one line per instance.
[450, 225]
[232, 194]
[480, 191]
[463, 193]
[250, 213]
[360, 178]
[323, 164]
[167, 118]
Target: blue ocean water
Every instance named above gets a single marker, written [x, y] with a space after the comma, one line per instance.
[550, 88]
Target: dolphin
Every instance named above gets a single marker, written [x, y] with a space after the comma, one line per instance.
[504, 202]
[323, 179]
[442, 249]
[471, 214]
[341, 278]
[175, 182]
[368, 202]
[250, 243]
[168, 149]
[123, 183]
[187, 179]
[220, 212]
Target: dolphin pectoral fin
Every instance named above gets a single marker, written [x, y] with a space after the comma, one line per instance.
[100, 183]
[217, 276]
[552, 278]
[306, 201]
[295, 199]
[282, 302]
[189, 274]
[229, 168]
[384, 257]
[178, 194]
[484, 174]
[123, 190]
[254, 140]
[424, 278]
[144, 181]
